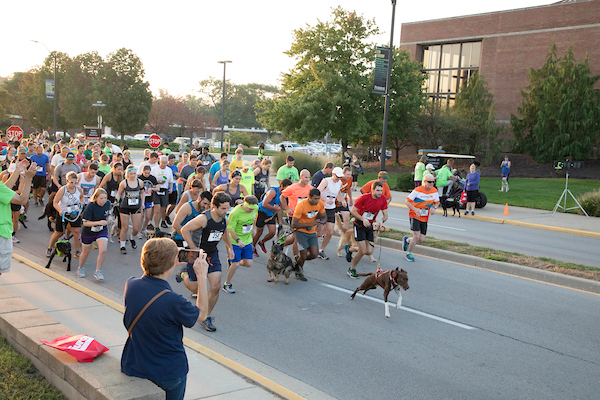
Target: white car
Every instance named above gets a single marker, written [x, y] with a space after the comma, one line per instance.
[292, 146]
[108, 136]
[141, 136]
[128, 137]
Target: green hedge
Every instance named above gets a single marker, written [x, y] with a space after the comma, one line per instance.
[301, 161]
[590, 202]
[405, 183]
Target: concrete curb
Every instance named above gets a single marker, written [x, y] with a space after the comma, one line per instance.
[549, 277]
[24, 325]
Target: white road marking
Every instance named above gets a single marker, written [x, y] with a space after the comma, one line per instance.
[430, 224]
[423, 314]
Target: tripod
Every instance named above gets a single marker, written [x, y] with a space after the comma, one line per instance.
[564, 195]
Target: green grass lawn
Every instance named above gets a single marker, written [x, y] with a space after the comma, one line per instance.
[524, 192]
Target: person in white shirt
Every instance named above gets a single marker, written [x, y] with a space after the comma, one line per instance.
[164, 177]
[330, 190]
[152, 162]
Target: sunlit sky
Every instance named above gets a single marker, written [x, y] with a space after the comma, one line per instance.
[180, 42]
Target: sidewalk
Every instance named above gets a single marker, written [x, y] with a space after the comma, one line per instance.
[84, 311]
[527, 217]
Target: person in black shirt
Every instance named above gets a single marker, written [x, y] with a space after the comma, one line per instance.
[95, 221]
[321, 174]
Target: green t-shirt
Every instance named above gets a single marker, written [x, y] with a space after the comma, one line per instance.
[108, 151]
[166, 151]
[6, 225]
[240, 222]
[419, 170]
[442, 176]
[247, 180]
[288, 173]
[104, 168]
[87, 153]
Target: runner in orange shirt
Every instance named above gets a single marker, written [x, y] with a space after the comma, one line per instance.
[304, 224]
[291, 196]
[422, 203]
[381, 177]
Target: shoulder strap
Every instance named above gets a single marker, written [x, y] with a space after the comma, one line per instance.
[144, 310]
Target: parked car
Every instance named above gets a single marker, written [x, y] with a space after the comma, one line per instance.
[128, 137]
[182, 140]
[108, 136]
[141, 136]
[292, 146]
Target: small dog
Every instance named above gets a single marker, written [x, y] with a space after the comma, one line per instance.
[504, 184]
[347, 236]
[50, 212]
[279, 264]
[22, 217]
[452, 203]
[112, 225]
[62, 249]
[151, 234]
[394, 279]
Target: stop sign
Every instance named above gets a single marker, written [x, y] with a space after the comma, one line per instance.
[14, 132]
[154, 141]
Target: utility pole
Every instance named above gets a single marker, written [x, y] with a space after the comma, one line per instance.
[387, 91]
[223, 103]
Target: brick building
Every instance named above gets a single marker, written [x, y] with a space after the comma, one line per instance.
[501, 46]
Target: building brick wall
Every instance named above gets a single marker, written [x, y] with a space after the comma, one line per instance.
[514, 41]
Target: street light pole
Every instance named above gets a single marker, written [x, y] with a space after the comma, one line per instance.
[223, 103]
[55, 85]
[387, 90]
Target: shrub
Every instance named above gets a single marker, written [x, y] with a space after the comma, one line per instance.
[405, 183]
[301, 161]
[590, 202]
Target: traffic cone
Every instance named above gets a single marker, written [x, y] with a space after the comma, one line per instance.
[506, 209]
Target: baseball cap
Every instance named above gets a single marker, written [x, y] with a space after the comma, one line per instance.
[70, 156]
[246, 164]
[172, 156]
[22, 149]
[383, 175]
[429, 166]
[337, 171]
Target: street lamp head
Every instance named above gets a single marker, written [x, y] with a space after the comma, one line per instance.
[224, 62]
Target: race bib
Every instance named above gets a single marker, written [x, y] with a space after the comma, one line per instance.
[215, 236]
[133, 201]
[97, 228]
[161, 193]
[72, 209]
[113, 193]
[206, 162]
[368, 215]
[312, 214]
[424, 212]
[247, 229]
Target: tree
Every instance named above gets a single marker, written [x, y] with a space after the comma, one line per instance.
[477, 113]
[560, 110]
[122, 88]
[438, 125]
[327, 89]
[166, 112]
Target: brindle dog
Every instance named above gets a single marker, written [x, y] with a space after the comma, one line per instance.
[388, 280]
[279, 264]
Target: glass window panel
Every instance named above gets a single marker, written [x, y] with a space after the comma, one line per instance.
[446, 53]
[465, 60]
[426, 56]
[434, 61]
[444, 81]
[432, 84]
[465, 74]
[455, 55]
[453, 81]
[476, 54]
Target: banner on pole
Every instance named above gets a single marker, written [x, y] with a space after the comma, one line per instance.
[382, 57]
[50, 88]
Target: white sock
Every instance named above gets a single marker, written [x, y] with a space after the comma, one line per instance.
[123, 243]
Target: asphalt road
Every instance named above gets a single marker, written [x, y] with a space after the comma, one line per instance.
[463, 333]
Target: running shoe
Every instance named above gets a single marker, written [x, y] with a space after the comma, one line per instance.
[140, 235]
[94, 246]
[163, 225]
[262, 247]
[123, 250]
[41, 202]
[409, 257]
[179, 276]
[466, 213]
[472, 212]
[255, 253]
[301, 277]
[77, 254]
[80, 273]
[322, 255]
[348, 253]
[352, 273]
[228, 288]
[194, 295]
[48, 253]
[15, 240]
[168, 220]
[208, 324]
[133, 245]
[405, 243]
[98, 275]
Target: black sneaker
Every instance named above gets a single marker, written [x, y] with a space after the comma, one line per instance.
[168, 220]
[163, 225]
[179, 276]
[301, 277]
[348, 253]
[123, 250]
[133, 245]
[207, 324]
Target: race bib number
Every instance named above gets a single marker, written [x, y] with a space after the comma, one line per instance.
[40, 169]
[368, 215]
[133, 201]
[215, 236]
[206, 162]
[161, 193]
[72, 209]
[312, 214]
[96, 228]
[247, 229]
[424, 212]
[113, 193]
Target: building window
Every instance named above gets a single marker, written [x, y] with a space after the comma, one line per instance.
[449, 68]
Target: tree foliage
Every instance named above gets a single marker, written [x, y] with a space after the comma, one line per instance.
[560, 110]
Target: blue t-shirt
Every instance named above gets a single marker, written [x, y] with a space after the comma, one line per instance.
[276, 200]
[155, 348]
[93, 212]
[41, 161]
[317, 178]
[175, 171]
[213, 169]
[472, 181]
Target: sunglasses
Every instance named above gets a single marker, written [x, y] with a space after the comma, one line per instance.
[430, 181]
[73, 182]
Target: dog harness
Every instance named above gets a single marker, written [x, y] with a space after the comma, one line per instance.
[58, 252]
[380, 272]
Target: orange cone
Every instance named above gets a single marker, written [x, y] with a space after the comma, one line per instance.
[506, 209]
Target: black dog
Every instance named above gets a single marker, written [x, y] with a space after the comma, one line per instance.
[50, 212]
[452, 203]
[62, 249]
[279, 264]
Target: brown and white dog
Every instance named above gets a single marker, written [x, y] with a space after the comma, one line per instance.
[347, 236]
[389, 280]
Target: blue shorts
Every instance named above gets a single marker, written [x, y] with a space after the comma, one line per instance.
[214, 265]
[88, 239]
[242, 253]
[148, 205]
